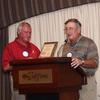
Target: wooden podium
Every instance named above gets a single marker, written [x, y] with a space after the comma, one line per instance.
[48, 75]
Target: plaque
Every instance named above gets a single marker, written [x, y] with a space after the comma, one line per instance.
[35, 76]
[48, 49]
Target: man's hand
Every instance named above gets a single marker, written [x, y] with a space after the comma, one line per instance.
[76, 62]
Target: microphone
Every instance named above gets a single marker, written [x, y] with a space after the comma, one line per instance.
[66, 40]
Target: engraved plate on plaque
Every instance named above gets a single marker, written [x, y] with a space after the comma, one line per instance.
[39, 76]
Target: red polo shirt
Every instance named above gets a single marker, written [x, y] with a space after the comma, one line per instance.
[15, 50]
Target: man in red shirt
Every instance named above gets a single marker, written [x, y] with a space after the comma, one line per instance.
[21, 47]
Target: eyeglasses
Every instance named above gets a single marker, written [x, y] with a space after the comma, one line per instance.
[69, 29]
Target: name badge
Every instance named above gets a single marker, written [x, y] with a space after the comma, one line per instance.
[25, 54]
[69, 54]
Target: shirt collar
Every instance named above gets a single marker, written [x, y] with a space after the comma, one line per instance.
[21, 44]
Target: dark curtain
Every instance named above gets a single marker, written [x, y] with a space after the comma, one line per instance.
[12, 11]
[5, 91]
